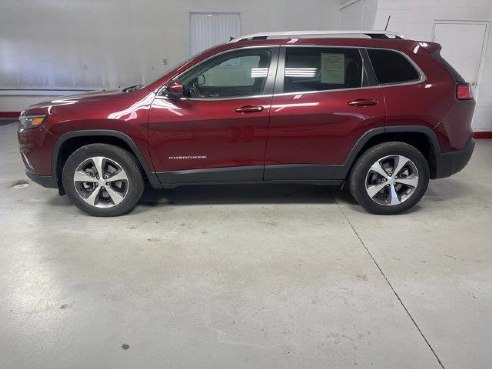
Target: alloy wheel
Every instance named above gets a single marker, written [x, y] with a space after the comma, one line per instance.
[101, 182]
[392, 180]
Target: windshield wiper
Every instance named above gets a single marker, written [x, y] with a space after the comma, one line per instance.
[132, 88]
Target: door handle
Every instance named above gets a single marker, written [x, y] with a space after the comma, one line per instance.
[362, 102]
[249, 109]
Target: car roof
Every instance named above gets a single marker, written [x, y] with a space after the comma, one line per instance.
[389, 43]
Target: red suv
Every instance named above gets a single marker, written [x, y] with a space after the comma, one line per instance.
[378, 112]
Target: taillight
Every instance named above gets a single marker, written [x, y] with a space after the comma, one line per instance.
[464, 91]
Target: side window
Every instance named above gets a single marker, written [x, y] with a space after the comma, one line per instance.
[392, 67]
[321, 69]
[234, 74]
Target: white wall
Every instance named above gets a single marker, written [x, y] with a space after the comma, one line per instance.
[415, 19]
[91, 44]
[358, 14]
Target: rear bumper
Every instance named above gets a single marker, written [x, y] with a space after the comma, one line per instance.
[45, 181]
[452, 162]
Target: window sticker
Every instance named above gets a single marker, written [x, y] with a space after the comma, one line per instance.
[332, 68]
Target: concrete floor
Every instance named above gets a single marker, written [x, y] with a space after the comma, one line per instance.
[280, 276]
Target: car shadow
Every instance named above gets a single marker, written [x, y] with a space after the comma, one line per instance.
[239, 194]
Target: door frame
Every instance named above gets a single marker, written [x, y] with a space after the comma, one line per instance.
[484, 44]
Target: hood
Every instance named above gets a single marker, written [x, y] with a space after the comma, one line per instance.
[73, 99]
[90, 99]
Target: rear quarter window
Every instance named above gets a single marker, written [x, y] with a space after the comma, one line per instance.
[392, 67]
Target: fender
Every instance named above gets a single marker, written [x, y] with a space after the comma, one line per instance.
[153, 179]
[364, 139]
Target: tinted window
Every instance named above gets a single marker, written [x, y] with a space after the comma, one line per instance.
[392, 67]
[234, 74]
[320, 69]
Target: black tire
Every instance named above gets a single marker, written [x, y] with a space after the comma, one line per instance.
[134, 185]
[361, 172]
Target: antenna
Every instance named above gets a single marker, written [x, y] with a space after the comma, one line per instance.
[387, 22]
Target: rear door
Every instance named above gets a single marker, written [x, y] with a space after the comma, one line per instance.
[323, 103]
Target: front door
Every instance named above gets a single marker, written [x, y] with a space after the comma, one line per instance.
[218, 132]
[323, 103]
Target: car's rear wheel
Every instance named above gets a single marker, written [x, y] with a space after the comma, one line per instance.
[103, 180]
[389, 178]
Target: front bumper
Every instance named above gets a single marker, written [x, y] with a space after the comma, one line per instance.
[450, 163]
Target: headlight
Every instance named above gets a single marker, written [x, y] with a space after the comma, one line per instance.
[31, 121]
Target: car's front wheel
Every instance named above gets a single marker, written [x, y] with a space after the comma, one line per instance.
[103, 180]
[389, 178]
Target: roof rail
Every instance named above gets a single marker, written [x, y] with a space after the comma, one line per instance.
[304, 34]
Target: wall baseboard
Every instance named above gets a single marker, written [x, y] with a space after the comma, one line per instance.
[9, 114]
[483, 135]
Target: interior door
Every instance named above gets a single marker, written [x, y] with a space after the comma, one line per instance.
[322, 107]
[218, 132]
[462, 46]
[211, 28]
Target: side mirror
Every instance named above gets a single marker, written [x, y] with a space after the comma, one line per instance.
[175, 90]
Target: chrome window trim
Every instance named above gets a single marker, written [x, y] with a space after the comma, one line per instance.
[326, 91]
[162, 97]
[421, 79]
[159, 91]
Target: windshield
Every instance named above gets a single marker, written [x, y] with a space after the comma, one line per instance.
[168, 70]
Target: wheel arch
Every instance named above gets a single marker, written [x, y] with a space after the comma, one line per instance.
[68, 142]
[422, 138]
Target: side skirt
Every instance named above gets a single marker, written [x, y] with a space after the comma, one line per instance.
[307, 174]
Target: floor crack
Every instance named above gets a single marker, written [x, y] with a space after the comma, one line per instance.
[391, 286]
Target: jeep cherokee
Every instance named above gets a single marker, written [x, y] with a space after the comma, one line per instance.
[378, 112]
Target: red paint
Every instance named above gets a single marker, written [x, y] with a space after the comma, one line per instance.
[307, 128]
[320, 128]
[207, 128]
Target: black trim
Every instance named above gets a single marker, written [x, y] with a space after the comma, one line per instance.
[272, 72]
[212, 175]
[356, 150]
[280, 76]
[452, 162]
[153, 179]
[249, 175]
[366, 61]
[327, 182]
[297, 172]
[45, 181]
